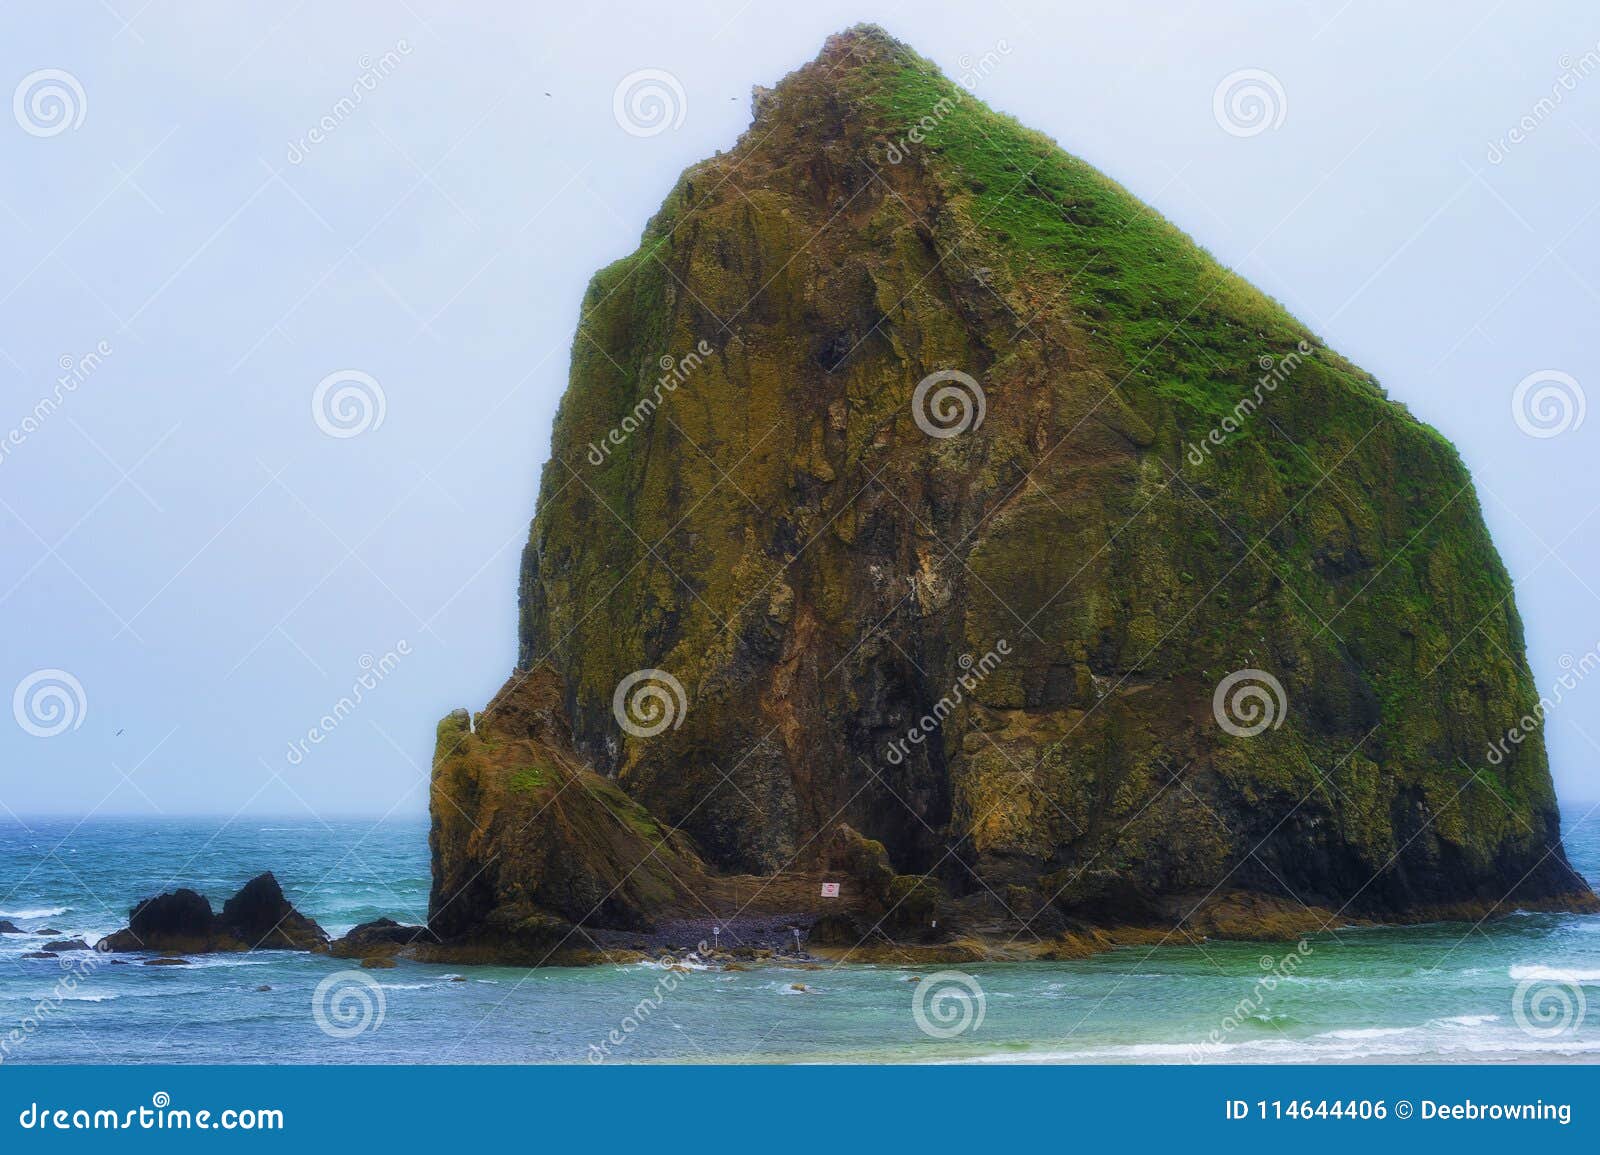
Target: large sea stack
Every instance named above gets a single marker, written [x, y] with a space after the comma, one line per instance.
[1147, 599]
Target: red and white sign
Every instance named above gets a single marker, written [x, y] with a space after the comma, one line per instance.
[830, 890]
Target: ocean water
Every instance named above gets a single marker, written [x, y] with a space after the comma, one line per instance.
[1521, 988]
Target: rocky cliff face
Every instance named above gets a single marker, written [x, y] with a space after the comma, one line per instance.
[941, 488]
[528, 842]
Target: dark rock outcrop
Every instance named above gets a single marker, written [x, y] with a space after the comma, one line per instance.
[262, 918]
[10, 928]
[549, 843]
[180, 921]
[66, 944]
[1018, 632]
[858, 860]
[259, 917]
[383, 936]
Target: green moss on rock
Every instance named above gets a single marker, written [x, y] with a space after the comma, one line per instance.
[818, 573]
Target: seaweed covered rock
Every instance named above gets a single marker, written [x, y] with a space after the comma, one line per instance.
[862, 861]
[383, 936]
[942, 488]
[528, 841]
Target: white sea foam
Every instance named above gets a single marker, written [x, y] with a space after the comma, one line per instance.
[47, 995]
[1395, 1045]
[1366, 1033]
[1553, 974]
[35, 912]
[671, 963]
[216, 961]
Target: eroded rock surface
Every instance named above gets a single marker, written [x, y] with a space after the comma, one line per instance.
[993, 654]
[259, 917]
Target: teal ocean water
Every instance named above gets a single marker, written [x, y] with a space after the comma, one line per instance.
[1521, 988]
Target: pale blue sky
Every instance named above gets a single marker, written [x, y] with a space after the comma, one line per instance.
[218, 597]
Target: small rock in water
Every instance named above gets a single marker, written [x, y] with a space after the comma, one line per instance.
[50, 930]
[801, 987]
[259, 917]
[166, 962]
[264, 987]
[10, 928]
[377, 963]
[380, 936]
[66, 944]
[39, 954]
[458, 978]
